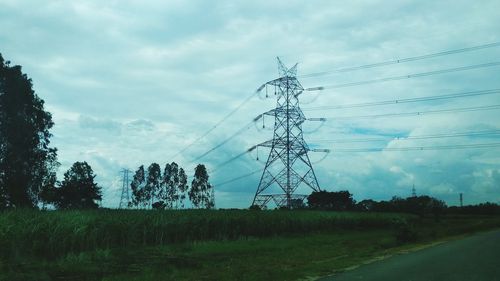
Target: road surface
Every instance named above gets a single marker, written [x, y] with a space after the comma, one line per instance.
[475, 258]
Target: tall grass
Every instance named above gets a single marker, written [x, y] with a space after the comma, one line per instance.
[53, 233]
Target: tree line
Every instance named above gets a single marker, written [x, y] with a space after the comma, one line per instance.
[423, 205]
[343, 201]
[152, 188]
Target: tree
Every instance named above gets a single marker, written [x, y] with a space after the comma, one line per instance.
[137, 187]
[27, 162]
[201, 190]
[337, 201]
[78, 189]
[183, 187]
[170, 185]
[152, 188]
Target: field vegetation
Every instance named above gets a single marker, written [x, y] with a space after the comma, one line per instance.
[208, 244]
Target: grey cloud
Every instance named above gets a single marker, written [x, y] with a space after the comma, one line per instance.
[146, 80]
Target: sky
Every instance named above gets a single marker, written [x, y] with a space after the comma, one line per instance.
[132, 82]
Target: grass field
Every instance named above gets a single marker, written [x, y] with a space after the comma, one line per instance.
[206, 245]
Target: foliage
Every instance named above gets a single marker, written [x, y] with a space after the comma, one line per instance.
[419, 205]
[182, 187]
[159, 191]
[200, 193]
[27, 163]
[137, 187]
[337, 201]
[480, 209]
[53, 233]
[153, 180]
[78, 189]
[245, 258]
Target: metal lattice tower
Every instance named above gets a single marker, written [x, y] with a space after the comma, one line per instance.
[288, 165]
[125, 196]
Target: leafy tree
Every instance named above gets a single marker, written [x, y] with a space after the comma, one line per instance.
[27, 162]
[337, 201]
[153, 180]
[137, 187]
[183, 187]
[78, 189]
[170, 185]
[201, 190]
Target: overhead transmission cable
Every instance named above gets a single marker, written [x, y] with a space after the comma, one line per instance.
[239, 177]
[415, 75]
[418, 148]
[233, 158]
[418, 137]
[216, 124]
[235, 134]
[414, 148]
[397, 61]
[407, 100]
[417, 113]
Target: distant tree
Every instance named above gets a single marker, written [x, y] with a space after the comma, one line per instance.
[152, 187]
[170, 185]
[487, 208]
[137, 187]
[420, 205]
[27, 162]
[78, 189]
[183, 187]
[336, 201]
[201, 190]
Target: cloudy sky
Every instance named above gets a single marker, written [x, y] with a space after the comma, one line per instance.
[134, 82]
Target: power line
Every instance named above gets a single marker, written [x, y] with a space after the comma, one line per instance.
[407, 100]
[409, 59]
[435, 136]
[241, 130]
[415, 75]
[417, 113]
[417, 148]
[216, 124]
[239, 178]
[234, 158]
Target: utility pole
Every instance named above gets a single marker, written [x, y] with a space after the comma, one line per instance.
[125, 196]
[288, 165]
[461, 199]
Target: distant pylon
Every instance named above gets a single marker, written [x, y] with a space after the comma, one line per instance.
[413, 191]
[125, 197]
[288, 165]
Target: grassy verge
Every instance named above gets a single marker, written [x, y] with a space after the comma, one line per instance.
[285, 256]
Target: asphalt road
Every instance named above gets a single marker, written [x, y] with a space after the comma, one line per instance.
[473, 258]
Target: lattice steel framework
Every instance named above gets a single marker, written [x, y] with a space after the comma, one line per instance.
[125, 196]
[288, 165]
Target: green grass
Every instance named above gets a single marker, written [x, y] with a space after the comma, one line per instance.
[51, 234]
[205, 245]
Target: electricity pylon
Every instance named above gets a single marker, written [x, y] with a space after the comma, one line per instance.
[288, 165]
[125, 197]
